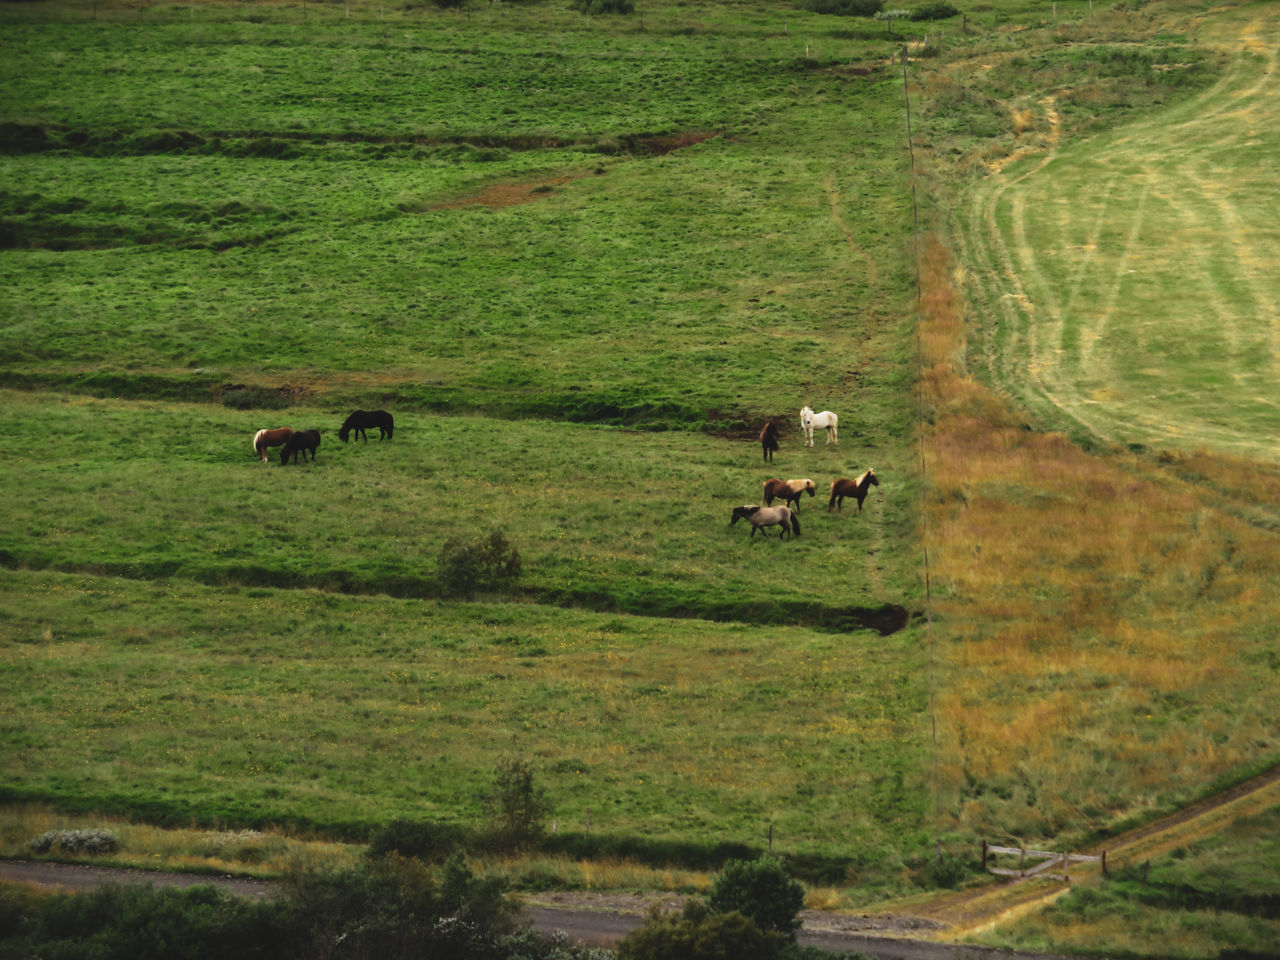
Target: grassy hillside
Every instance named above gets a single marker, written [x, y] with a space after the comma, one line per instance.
[583, 260]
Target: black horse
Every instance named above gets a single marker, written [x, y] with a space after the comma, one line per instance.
[362, 419]
[303, 441]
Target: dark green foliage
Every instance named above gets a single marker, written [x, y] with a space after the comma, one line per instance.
[254, 398]
[143, 923]
[938, 10]
[516, 807]
[595, 7]
[467, 567]
[844, 8]
[761, 890]
[423, 840]
[697, 933]
[398, 908]
[949, 869]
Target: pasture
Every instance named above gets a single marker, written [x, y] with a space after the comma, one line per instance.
[582, 260]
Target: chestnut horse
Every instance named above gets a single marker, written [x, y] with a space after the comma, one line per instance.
[269, 438]
[851, 488]
[769, 440]
[361, 419]
[300, 442]
[788, 491]
[761, 517]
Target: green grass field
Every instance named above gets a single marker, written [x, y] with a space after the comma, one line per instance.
[582, 260]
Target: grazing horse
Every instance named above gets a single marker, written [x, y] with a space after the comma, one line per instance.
[361, 419]
[788, 491]
[769, 440]
[761, 517]
[269, 438]
[300, 442]
[851, 488]
[809, 421]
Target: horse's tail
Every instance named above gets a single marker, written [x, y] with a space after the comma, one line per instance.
[832, 502]
[765, 493]
[795, 524]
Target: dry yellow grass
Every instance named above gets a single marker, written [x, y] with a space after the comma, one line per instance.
[1101, 614]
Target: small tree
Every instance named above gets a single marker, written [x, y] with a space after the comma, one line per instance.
[698, 934]
[517, 808]
[467, 567]
[762, 891]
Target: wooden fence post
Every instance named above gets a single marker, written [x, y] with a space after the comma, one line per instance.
[1104, 863]
[984, 854]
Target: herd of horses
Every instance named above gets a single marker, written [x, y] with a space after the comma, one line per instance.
[296, 442]
[759, 517]
[789, 492]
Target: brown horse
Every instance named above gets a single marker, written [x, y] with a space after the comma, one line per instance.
[851, 488]
[769, 440]
[300, 442]
[761, 517]
[269, 438]
[788, 491]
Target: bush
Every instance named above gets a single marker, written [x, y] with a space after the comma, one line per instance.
[254, 398]
[698, 934]
[938, 10]
[517, 807]
[76, 841]
[430, 842]
[760, 890]
[392, 908]
[595, 7]
[843, 8]
[467, 567]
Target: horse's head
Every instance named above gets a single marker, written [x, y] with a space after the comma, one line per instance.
[344, 433]
[741, 512]
[872, 478]
[806, 414]
[810, 487]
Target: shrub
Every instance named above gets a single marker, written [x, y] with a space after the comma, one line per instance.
[392, 908]
[760, 890]
[76, 841]
[467, 567]
[516, 807]
[698, 934]
[938, 10]
[431, 842]
[254, 398]
[595, 7]
[843, 8]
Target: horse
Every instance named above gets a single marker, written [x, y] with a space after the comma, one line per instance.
[300, 442]
[361, 419]
[761, 517]
[788, 491]
[269, 438]
[826, 419]
[859, 488]
[769, 439]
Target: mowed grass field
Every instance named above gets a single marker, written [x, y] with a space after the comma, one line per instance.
[1126, 283]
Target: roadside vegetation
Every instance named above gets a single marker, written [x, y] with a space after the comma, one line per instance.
[583, 258]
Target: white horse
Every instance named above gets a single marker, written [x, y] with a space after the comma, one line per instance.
[824, 420]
